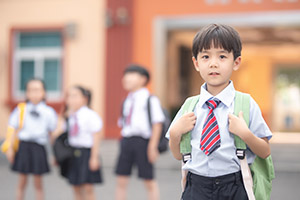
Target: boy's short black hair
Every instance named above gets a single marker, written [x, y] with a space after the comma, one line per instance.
[217, 35]
[138, 69]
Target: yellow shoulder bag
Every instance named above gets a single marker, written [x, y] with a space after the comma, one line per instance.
[11, 131]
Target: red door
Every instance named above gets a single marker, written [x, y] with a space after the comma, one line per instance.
[118, 56]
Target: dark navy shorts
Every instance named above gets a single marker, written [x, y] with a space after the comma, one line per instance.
[133, 152]
[227, 187]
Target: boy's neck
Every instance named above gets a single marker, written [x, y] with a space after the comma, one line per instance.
[136, 89]
[215, 90]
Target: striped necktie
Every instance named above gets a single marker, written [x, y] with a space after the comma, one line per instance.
[210, 139]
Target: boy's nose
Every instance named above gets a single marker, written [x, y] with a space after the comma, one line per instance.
[213, 64]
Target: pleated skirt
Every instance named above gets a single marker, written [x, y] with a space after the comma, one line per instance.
[79, 172]
[31, 158]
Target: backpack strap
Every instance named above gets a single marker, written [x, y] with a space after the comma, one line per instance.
[242, 103]
[149, 110]
[185, 143]
[21, 107]
[122, 113]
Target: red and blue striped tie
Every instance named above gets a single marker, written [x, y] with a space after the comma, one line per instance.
[210, 139]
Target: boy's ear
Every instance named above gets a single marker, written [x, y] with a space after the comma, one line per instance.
[237, 63]
[195, 64]
[144, 81]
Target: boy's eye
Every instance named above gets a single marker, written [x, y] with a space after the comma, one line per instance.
[205, 57]
[222, 56]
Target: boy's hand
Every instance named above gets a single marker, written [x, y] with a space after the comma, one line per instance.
[237, 125]
[184, 124]
[152, 153]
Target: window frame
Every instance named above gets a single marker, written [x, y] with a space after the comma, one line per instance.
[18, 54]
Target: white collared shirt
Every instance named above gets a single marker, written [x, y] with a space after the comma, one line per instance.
[89, 122]
[139, 123]
[35, 129]
[223, 160]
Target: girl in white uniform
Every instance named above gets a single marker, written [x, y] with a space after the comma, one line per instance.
[84, 126]
[39, 121]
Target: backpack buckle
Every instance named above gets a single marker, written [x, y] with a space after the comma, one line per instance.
[186, 157]
[240, 153]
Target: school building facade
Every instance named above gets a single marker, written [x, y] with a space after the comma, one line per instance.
[90, 43]
[61, 42]
[159, 35]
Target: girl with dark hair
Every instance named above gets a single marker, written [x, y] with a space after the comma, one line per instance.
[84, 135]
[33, 131]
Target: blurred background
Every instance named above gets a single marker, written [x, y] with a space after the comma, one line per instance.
[90, 42]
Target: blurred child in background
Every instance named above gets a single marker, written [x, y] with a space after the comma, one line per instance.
[139, 143]
[39, 121]
[84, 126]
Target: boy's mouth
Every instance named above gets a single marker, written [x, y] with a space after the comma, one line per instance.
[214, 73]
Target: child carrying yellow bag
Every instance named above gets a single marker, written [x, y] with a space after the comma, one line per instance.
[11, 131]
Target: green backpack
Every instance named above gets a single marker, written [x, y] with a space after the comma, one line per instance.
[262, 170]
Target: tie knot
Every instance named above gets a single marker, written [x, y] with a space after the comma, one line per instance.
[213, 103]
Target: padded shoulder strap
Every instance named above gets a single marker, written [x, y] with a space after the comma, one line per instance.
[241, 103]
[188, 106]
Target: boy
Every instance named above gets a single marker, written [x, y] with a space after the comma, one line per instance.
[139, 143]
[214, 169]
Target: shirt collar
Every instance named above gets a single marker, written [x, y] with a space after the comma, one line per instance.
[226, 96]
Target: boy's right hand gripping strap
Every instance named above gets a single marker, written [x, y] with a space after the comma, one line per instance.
[185, 143]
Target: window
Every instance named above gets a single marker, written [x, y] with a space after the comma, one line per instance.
[39, 55]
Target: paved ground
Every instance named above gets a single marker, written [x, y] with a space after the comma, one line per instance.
[285, 187]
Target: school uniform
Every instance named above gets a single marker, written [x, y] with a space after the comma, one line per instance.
[136, 132]
[219, 172]
[82, 126]
[39, 120]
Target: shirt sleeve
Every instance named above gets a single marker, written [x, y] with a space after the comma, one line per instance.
[177, 116]
[157, 113]
[257, 124]
[52, 123]
[14, 118]
[95, 123]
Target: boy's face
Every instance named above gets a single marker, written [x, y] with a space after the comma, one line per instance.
[133, 81]
[215, 66]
